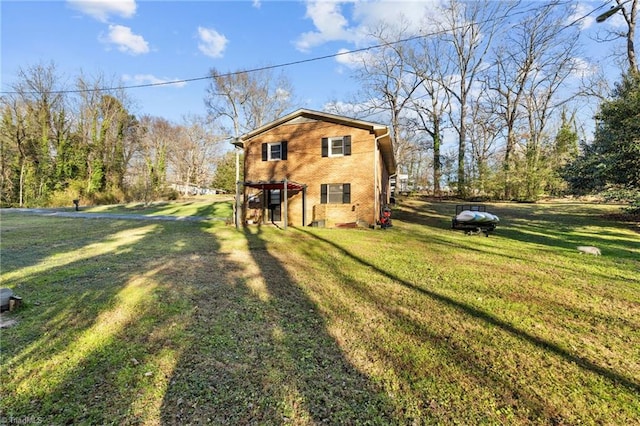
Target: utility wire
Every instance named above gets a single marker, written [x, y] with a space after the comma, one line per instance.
[286, 64]
[229, 74]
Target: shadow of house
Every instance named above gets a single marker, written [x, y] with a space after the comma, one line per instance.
[260, 353]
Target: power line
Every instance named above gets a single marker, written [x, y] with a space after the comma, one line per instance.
[282, 65]
[268, 67]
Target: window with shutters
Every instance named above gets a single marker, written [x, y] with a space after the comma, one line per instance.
[335, 193]
[274, 151]
[336, 146]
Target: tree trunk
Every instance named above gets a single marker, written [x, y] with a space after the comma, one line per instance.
[21, 182]
[437, 165]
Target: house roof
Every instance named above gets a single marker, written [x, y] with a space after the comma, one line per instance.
[379, 130]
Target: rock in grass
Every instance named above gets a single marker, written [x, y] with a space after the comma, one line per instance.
[5, 296]
[589, 250]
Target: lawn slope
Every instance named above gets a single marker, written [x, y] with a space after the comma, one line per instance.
[148, 322]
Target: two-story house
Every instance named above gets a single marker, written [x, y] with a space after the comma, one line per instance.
[315, 168]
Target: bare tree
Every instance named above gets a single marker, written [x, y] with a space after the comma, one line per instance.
[195, 152]
[554, 48]
[149, 164]
[629, 11]
[87, 124]
[484, 135]
[433, 101]
[469, 29]
[34, 119]
[630, 17]
[247, 100]
[106, 131]
[388, 84]
[530, 66]
[13, 149]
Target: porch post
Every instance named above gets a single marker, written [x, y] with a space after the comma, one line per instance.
[265, 205]
[286, 204]
[304, 205]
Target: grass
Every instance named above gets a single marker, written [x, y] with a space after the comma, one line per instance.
[218, 206]
[133, 322]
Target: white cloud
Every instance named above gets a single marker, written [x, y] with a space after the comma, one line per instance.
[141, 79]
[352, 60]
[581, 15]
[282, 94]
[583, 68]
[412, 14]
[125, 40]
[102, 9]
[333, 24]
[212, 43]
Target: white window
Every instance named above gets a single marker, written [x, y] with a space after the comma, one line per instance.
[334, 193]
[336, 147]
[275, 151]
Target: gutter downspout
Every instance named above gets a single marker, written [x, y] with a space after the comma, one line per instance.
[376, 198]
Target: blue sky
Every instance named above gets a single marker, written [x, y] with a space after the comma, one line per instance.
[142, 42]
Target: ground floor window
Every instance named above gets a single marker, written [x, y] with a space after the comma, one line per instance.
[335, 193]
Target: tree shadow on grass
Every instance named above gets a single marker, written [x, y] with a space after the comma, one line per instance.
[606, 373]
[555, 229]
[216, 335]
[263, 354]
[424, 382]
[96, 325]
[563, 225]
[154, 322]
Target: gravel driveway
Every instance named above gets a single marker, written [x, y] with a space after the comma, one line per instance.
[59, 213]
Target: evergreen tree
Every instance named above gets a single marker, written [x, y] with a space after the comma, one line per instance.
[612, 161]
[225, 175]
[564, 151]
[618, 133]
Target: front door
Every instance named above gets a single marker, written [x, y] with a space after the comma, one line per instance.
[275, 205]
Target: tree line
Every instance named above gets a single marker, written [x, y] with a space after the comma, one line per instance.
[60, 143]
[503, 85]
[483, 102]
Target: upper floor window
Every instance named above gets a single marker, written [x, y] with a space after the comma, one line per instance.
[274, 151]
[336, 146]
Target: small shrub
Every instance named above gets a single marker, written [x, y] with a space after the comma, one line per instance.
[62, 199]
[624, 195]
[170, 194]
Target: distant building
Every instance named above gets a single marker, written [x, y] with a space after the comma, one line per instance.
[195, 190]
[399, 184]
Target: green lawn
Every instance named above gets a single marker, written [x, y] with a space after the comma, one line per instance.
[216, 206]
[136, 322]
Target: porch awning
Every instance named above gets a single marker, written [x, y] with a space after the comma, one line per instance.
[274, 184]
[284, 185]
